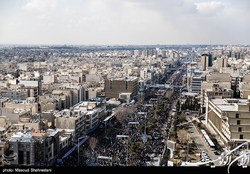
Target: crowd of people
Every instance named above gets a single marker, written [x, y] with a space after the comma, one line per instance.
[132, 136]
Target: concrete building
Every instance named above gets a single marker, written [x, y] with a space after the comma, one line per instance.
[35, 124]
[230, 119]
[91, 93]
[218, 77]
[26, 105]
[49, 79]
[194, 78]
[34, 148]
[22, 146]
[49, 102]
[33, 87]
[244, 88]
[65, 96]
[74, 93]
[49, 117]
[83, 118]
[222, 62]
[194, 82]
[92, 78]
[145, 74]
[206, 61]
[14, 95]
[125, 96]
[246, 78]
[13, 114]
[47, 147]
[215, 90]
[24, 66]
[67, 119]
[113, 87]
[4, 122]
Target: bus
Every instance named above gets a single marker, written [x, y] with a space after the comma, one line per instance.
[208, 140]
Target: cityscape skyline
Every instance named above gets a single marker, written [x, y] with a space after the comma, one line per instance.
[129, 22]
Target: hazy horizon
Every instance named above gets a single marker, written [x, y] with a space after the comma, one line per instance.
[124, 22]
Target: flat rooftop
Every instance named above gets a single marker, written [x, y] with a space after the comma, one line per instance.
[229, 104]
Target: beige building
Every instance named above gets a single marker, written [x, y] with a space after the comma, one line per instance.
[218, 77]
[246, 78]
[34, 124]
[5, 122]
[230, 118]
[92, 93]
[222, 62]
[25, 105]
[33, 87]
[215, 90]
[13, 114]
[205, 62]
[67, 119]
[244, 88]
[83, 118]
[73, 93]
[113, 87]
[49, 79]
[49, 102]
[3, 148]
[66, 97]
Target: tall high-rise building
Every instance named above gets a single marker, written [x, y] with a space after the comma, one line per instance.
[206, 61]
[222, 63]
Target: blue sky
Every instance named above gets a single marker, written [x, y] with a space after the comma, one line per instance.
[124, 22]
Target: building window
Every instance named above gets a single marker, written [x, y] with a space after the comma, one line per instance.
[238, 122]
[110, 84]
[20, 157]
[239, 129]
[241, 136]
[28, 157]
[237, 115]
[11, 146]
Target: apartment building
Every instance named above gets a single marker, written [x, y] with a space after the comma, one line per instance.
[214, 90]
[230, 119]
[75, 120]
[113, 87]
[22, 147]
[34, 148]
[206, 61]
[83, 118]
